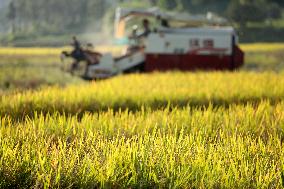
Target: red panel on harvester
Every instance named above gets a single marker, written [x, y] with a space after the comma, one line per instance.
[187, 62]
[205, 62]
[161, 62]
[239, 57]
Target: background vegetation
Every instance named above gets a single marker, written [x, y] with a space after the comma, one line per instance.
[40, 22]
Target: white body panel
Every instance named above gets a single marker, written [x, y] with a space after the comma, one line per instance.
[198, 40]
[104, 69]
[108, 67]
[130, 61]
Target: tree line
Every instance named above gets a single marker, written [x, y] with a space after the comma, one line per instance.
[59, 16]
[54, 16]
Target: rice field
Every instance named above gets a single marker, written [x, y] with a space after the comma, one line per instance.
[255, 47]
[160, 130]
[235, 147]
[262, 47]
[43, 51]
[158, 90]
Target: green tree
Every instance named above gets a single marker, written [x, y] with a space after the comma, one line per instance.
[167, 4]
[278, 2]
[243, 11]
[12, 16]
[273, 11]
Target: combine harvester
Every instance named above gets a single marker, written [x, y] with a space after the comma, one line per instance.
[182, 42]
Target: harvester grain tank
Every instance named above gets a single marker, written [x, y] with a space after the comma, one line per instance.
[187, 42]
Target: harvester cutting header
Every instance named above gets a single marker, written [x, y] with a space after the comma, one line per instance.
[168, 41]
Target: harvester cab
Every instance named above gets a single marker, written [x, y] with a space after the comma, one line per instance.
[170, 41]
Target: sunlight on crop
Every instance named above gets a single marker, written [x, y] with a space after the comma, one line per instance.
[262, 47]
[234, 147]
[265, 47]
[150, 90]
[31, 51]
[53, 51]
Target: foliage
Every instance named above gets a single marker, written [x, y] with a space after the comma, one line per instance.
[268, 33]
[66, 14]
[12, 15]
[242, 12]
[75, 16]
